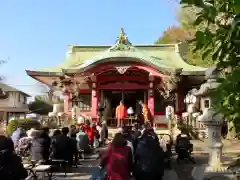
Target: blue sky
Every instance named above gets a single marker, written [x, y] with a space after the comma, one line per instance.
[34, 34]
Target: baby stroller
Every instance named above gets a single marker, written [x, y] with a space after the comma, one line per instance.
[23, 147]
[184, 148]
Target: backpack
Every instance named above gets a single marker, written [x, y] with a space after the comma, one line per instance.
[183, 142]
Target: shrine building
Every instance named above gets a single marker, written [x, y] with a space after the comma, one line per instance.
[99, 74]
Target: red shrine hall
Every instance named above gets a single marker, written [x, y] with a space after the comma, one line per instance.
[105, 75]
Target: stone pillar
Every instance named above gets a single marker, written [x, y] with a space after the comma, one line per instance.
[213, 122]
[151, 95]
[215, 144]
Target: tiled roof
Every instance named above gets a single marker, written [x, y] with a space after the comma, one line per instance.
[162, 57]
[8, 88]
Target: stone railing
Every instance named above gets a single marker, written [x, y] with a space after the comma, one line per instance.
[191, 122]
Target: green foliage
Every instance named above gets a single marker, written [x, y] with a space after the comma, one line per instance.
[223, 45]
[28, 124]
[184, 33]
[187, 16]
[40, 106]
[195, 58]
[227, 97]
[175, 34]
[12, 126]
[23, 123]
[28, 119]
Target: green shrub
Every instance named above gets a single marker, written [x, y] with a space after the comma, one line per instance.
[12, 126]
[28, 124]
[28, 119]
[23, 123]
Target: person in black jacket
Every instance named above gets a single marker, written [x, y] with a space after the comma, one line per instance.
[136, 133]
[41, 146]
[149, 158]
[11, 167]
[73, 137]
[61, 147]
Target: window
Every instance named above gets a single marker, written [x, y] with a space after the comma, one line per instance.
[24, 100]
[19, 97]
[206, 103]
[83, 102]
[1, 116]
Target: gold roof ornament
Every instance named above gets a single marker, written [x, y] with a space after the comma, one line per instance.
[122, 37]
[122, 42]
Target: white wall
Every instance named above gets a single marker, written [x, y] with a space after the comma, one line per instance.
[14, 100]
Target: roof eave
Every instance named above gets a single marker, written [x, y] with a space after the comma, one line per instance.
[36, 74]
[25, 94]
[135, 45]
[43, 73]
[83, 69]
[193, 73]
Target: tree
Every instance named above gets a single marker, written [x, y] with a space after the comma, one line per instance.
[41, 105]
[183, 33]
[186, 16]
[175, 34]
[223, 43]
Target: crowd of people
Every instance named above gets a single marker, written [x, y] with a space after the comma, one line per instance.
[43, 146]
[134, 151]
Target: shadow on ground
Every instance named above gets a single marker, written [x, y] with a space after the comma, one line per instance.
[185, 168]
[84, 171]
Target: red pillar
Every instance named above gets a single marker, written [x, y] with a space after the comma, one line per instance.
[151, 95]
[151, 102]
[94, 103]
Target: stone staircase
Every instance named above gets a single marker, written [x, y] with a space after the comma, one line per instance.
[112, 131]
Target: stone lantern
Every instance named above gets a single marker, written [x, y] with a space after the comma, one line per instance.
[190, 101]
[57, 114]
[213, 122]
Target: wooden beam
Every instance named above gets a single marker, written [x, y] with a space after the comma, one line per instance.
[102, 78]
[125, 86]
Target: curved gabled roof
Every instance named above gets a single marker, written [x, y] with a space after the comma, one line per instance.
[123, 50]
[133, 55]
[165, 58]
